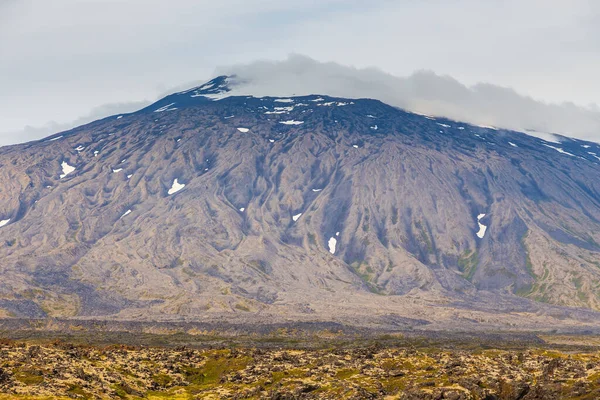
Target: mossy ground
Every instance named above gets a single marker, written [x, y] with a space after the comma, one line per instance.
[390, 367]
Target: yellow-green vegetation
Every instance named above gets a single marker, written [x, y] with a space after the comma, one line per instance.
[28, 377]
[57, 370]
[467, 263]
[424, 237]
[162, 380]
[242, 307]
[32, 397]
[364, 271]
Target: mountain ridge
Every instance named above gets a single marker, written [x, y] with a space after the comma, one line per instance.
[268, 185]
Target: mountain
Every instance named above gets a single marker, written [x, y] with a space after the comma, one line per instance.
[211, 205]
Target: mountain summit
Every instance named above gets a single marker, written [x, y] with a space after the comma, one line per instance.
[209, 205]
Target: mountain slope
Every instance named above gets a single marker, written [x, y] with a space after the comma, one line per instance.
[205, 204]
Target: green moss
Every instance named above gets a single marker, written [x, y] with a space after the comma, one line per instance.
[390, 267]
[365, 225]
[162, 380]
[168, 395]
[581, 295]
[214, 369]
[119, 391]
[524, 290]
[188, 272]
[346, 373]
[528, 263]
[192, 375]
[29, 377]
[394, 385]
[424, 237]
[242, 307]
[467, 263]
[367, 275]
[78, 391]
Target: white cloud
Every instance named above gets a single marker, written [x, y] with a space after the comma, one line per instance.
[423, 92]
[61, 58]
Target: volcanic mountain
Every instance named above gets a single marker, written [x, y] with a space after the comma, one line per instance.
[209, 205]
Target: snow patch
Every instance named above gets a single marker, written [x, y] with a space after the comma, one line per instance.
[176, 187]
[117, 170]
[281, 110]
[332, 243]
[67, 169]
[207, 86]
[512, 144]
[242, 209]
[284, 100]
[488, 127]
[482, 227]
[594, 155]
[126, 214]
[546, 137]
[243, 130]
[317, 190]
[560, 150]
[291, 122]
[4, 222]
[295, 217]
[166, 108]
[374, 127]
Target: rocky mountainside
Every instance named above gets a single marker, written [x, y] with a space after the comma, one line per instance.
[212, 205]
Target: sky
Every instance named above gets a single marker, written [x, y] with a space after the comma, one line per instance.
[67, 62]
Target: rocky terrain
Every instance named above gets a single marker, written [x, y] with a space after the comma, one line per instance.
[415, 369]
[216, 207]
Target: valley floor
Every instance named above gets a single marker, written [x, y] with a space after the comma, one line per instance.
[283, 365]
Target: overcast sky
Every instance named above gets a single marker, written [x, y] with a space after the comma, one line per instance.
[66, 61]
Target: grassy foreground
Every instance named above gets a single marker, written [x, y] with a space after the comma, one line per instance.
[378, 369]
